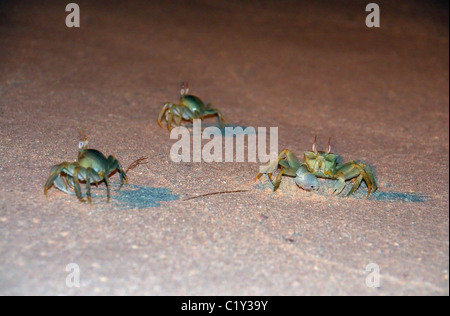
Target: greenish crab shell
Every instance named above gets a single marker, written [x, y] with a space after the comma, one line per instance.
[194, 104]
[321, 164]
[92, 158]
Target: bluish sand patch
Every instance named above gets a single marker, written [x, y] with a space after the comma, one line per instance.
[136, 196]
[141, 197]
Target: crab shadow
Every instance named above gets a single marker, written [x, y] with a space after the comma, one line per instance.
[392, 196]
[137, 196]
[360, 194]
[385, 196]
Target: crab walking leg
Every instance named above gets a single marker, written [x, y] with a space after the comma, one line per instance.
[356, 185]
[356, 170]
[169, 118]
[285, 159]
[187, 114]
[161, 113]
[182, 112]
[90, 177]
[284, 171]
[371, 178]
[69, 181]
[175, 113]
[123, 175]
[177, 119]
[288, 160]
[105, 178]
[114, 164]
[268, 169]
[87, 178]
[62, 184]
[368, 178]
[340, 184]
[55, 172]
[215, 112]
[76, 182]
[289, 164]
[345, 172]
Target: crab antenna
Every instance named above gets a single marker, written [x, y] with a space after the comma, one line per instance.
[314, 146]
[329, 145]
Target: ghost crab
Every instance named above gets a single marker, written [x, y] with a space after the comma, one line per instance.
[91, 167]
[189, 108]
[319, 164]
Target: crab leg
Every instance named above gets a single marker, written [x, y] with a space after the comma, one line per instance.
[169, 118]
[161, 113]
[62, 184]
[215, 112]
[76, 182]
[55, 174]
[105, 178]
[284, 171]
[371, 178]
[114, 164]
[87, 178]
[177, 119]
[285, 159]
[356, 170]
[340, 184]
[356, 185]
[289, 164]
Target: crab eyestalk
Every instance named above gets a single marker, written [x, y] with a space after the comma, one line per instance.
[314, 145]
[184, 88]
[82, 145]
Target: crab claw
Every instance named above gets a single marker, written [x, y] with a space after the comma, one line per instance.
[306, 180]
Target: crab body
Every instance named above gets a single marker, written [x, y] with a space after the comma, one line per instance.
[189, 108]
[193, 103]
[319, 164]
[91, 167]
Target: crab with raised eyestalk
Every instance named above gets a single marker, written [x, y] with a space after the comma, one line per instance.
[91, 167]
[319, 164]
[189, 108]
